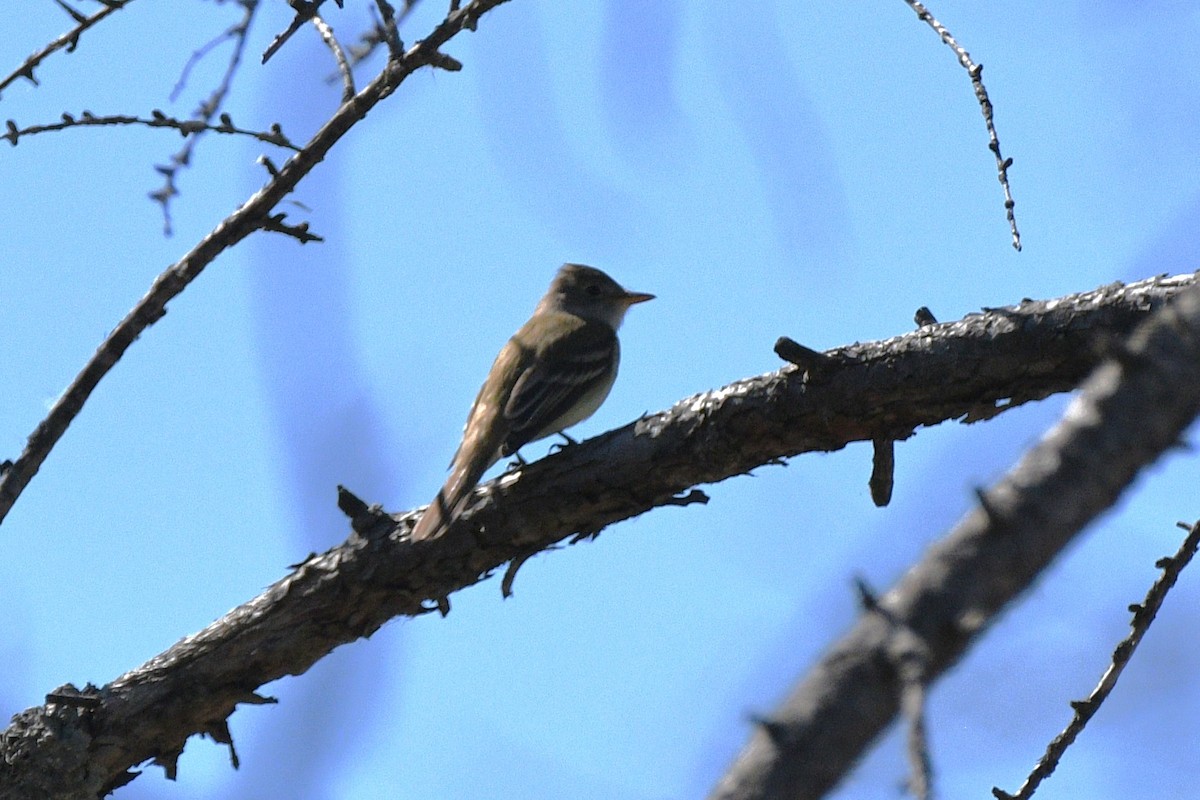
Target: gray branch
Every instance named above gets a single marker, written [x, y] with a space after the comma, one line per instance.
[85, 741]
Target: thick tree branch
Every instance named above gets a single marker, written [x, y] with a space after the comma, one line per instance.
[875, 390]
[253, 215]
[1133, 408]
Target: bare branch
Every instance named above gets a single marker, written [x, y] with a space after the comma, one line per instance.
[305, 11]
[390, 26]
[209, 108]
[157, 119]
[1133, 408]
[200, 53]
[920, 763]
[379, 572]
[368, 43]
[339, 56]
[1143, 615]
[381, 32]
[909, 657]
[253, 215]
[981, 95]
[275, 223]
[68, 42]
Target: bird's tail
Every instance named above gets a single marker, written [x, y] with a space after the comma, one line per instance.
[450, 500]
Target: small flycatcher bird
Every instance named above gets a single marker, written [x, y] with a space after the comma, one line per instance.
[554, 372]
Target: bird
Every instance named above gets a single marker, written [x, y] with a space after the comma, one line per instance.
[554, 372]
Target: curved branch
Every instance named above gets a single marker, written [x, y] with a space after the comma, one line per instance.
[1133, 408]
[157, 119]
[339, 56]
[875, 390]
[975, 71]
[253, 215]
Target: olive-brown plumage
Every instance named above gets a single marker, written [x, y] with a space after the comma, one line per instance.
[555, 371]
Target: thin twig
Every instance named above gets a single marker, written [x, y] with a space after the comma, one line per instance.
[253, 215]
[391, 26]
[157, 119]
[207, 109]
[377, 34]
[1143, 615]
[913, 692]
[368, 42]
[909, 655]
[68, 42]
[305, 11]
[339, 56]
[409, 5]
[72, 13]
[199, 55]
[300, 232]
[976, 73]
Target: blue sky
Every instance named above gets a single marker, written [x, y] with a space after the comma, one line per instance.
[765, 169]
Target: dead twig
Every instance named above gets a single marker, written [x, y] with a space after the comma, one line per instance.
[1143, 615]
[976, 73]
[67, 42]
[157, 119]
[339, 55]
[207, 109]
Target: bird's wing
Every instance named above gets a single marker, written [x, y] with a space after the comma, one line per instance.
[564, 374]
[482, 442]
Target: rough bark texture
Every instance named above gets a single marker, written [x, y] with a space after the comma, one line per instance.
[1132, 409]
[880, 390]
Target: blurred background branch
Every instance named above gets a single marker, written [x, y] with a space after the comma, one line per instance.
[1133, 408]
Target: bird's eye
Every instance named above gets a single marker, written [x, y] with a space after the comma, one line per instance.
[593, 290]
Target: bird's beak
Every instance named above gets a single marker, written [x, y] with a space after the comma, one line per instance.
[631, 298]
